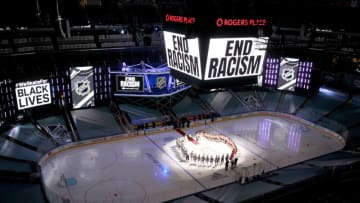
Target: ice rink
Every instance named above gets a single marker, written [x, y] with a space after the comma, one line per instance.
[150, 169]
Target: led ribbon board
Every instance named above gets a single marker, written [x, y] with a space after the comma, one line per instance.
[182, 54]
[32, 93]
[235, 57]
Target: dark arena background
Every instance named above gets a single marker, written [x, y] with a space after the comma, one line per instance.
[179, 101]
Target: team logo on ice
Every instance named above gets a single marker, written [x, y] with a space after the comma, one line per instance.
[161, 82]
[82, 87]
[288, 74]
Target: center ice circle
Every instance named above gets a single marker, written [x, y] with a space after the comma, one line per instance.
[206, 148]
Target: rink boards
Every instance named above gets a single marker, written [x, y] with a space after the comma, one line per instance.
[148, 168]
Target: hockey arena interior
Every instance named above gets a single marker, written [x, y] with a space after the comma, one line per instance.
[179, 101]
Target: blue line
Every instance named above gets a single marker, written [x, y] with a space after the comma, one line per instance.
[187, 172]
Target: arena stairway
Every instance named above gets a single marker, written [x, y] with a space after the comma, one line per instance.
[121, 117]
[19, 173]
[205, 105]
[20, 150]
[21, 146]
[22, 192]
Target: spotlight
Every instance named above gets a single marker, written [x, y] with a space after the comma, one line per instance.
[122, 31]
[156, 28]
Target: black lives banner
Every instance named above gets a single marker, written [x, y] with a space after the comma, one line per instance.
[31, 94]
[183, 54]
[235, 57]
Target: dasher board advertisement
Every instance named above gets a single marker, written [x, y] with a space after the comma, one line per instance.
[182, 54]
[235, 57]
[31, 94]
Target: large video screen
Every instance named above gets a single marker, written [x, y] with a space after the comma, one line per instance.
[82, 87]
[31, 94]
[183, 54]
[130, 83]
[235, 57]
[287, 73]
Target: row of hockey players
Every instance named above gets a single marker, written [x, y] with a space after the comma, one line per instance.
[220, 138]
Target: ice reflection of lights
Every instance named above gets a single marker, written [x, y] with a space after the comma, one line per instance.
[51, 171]
[165, 171]
[82, 175]
[264, 132]
[131, 152]
[93, 155]
[160, 164]
[294, 138]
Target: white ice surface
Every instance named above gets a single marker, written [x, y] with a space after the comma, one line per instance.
[148, 168]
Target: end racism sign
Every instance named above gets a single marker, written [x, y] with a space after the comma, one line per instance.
[32, 93]
[130, 83]
[235, 57]
[183, 54]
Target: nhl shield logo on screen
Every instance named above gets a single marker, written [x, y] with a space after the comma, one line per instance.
[288, 74]
[82, 87]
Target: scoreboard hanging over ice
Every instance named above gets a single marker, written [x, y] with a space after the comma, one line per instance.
[214, 51]
[235, 57]
[183, 54]
[226, 57]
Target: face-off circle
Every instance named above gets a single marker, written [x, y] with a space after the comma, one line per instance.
[117, 190]
[207, 149]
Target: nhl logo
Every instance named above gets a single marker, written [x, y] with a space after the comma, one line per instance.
[287, 74]
[161, 82]
[82, 87]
